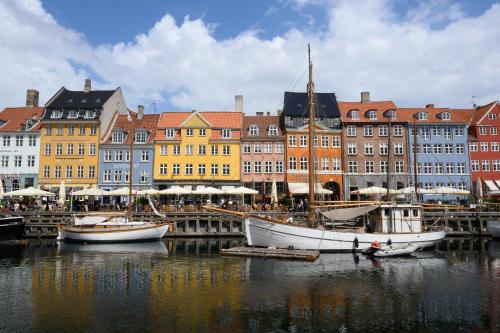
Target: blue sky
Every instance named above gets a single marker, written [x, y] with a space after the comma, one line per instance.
[190, 54]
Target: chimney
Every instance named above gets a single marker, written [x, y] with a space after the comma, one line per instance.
[259, 114]
[429, 106]
[88, 85]
[31, 98]
[280, 112]
[238, 103]
[365, 97]
[140, 112]
[268, 113]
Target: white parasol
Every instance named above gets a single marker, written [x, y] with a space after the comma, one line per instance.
[29, 192]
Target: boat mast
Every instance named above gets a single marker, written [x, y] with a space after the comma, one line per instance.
[389, 157]
[131, 168]
[415, 173]
[310, 111]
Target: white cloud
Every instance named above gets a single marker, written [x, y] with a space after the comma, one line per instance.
[366, 46]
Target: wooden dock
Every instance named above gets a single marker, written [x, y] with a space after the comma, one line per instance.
[246, 251]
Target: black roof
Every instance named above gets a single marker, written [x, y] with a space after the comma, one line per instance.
[295, 105]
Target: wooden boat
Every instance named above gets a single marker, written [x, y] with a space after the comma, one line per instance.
[494, 228]
[11, 228]
[390, 250]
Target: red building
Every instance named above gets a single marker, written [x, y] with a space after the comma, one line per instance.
[484, 149]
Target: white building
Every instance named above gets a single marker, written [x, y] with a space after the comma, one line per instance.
[20, 144]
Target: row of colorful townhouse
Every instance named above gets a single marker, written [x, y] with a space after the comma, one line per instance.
[83, 138]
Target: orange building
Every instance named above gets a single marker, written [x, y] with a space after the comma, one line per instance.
[326, 143]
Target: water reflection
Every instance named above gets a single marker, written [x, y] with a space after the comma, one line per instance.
[183, 285]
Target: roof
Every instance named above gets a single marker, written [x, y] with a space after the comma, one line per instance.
[295, 105]
[66, 100]
[14, 119]
[378, 106]
[218, 119]
[433, 115]
[263, 122]
[480, 112]
[122, 123]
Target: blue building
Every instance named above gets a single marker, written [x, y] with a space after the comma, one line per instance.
[114, 151]
[442, 150]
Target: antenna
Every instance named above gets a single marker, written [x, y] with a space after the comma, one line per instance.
[473, 101]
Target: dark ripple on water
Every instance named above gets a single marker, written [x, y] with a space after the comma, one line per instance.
[183, 285]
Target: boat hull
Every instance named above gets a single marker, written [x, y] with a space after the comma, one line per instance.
[494, 228]
[265, 233]
[11, 228]
[113, 235]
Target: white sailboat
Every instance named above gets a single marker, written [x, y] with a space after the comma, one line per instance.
[387, 223]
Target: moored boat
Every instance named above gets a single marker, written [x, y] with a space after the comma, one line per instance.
[494, 228]
[11, 228]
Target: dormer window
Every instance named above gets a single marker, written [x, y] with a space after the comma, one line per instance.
[56, 114]
[118, 137]
[29, 124]
[273, 130]
[372, 114]
[254, 130]
[72, 114]
[89, 114]
[354, 114]
[445, 116]
[170, 133]
[226, 133]
[422, 116]
[390, 114]
[141, 137]
[98, 100]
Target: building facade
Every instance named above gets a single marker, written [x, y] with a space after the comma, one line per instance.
[72, 126]
[484, 147]
[114, 151]
[442, 154]
[20, 144]
[198, 148]
[263, 153]
[326, 142]
[374, 145]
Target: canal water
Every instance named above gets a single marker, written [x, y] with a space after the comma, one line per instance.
[185, 286]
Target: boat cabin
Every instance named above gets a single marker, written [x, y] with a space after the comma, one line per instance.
[396, 219]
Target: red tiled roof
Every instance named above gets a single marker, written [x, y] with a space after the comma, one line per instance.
[481, 111]
[263, 122]
[457, 115]
[148, 122]
[172, 119]
[217, 119]
[379, 106]
[15, 118]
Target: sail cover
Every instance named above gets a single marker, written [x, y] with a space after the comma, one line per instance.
[346, 214]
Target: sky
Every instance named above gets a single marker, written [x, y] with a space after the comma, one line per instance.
[185, 55]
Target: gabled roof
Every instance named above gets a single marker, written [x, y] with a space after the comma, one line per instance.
[14, 119]
[380, 107]
[482, 111]
[218, 119]
[433, 115]
[148, 122]
[295, 105]
[263, 122]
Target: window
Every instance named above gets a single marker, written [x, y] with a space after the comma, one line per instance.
[18, 161]
[291, 141]
[226, 133]
[351, 149]
[447, 133]
[144, 155]
[482, 130]
[426, 148]
[92, 149]
[273, 130]
[82, 129]
[448, 148]
[19, 140]
[278, 148]
[425, 132]
[215, 150]
[118, 176]
[188, 169]
[475, 165]
[369, 167]
[189, 132]
[79, 171]
[325, 164]
[461, 168]
[117, 137]
[354, 114]
[257, 167]
[170, 133]
[48, 149]
[450, 168]
[81, 149]
[202, 149]
[484, 146]
[226, 150]
[372, 114]
[144, 176]
[48, 130]
[427, 168]
[126, 176]
[246, 148]
[383, 166]
[268, 166]
[292, 163]
[141, 137]
[382, 130]
[473, 146]
[60, 129]
[353, 167]
[459, 131]
[494, 146]
[176, 150]
[422, 116]
[71, 129]
[368, 149]
[485, 165]
[438, 168]
[427, 186]
[445, 116]
[460, 148]
[496, 165]
[202, 132]
[56, 114]
[59, 149]
[201, 169]
[127, 156]
[31, 160]
[107, 156]
[368, 130]
[351, 130]
[492, 116]
[436, 131]
[72, 114]
[106, 176]
[225, 169]
[315, 163]
[32, 141]
[214, 169]
[253, 130]
[438, 149]
[398, 130]
[336, 164]
[6, 140]
[163, 150]
[493, 130]
[303, 163]
[383, 150]
[176, 169]
[118, 156]
[278, 166]
[247, 168]
[400, 167]
[257, 147]
[303, 141]
[46, 170]
[89, 114]
[268, 147]
[325, 142]
[336, 141]
[92, 171]
[163, 169]
[69, 173]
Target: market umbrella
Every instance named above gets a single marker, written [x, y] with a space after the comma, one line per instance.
[175, 190]
[91, 191]
[274, 192]
[449, 190]
[373, 190]
[207, 190]
[122, 191]
[241, 190]
[1, 188]
[411, 190]
[149, 191]
[29, 192]
[62, 194]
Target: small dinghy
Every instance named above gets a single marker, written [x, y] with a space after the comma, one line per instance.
[377, 250]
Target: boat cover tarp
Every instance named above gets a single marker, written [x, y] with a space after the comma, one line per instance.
[346, 214]
[90, 220]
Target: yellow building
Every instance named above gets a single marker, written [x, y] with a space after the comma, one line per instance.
[198, 148]
[71, 128]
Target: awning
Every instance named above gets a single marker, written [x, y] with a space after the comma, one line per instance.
[346, 214]
[491, 185]
[303, 188]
